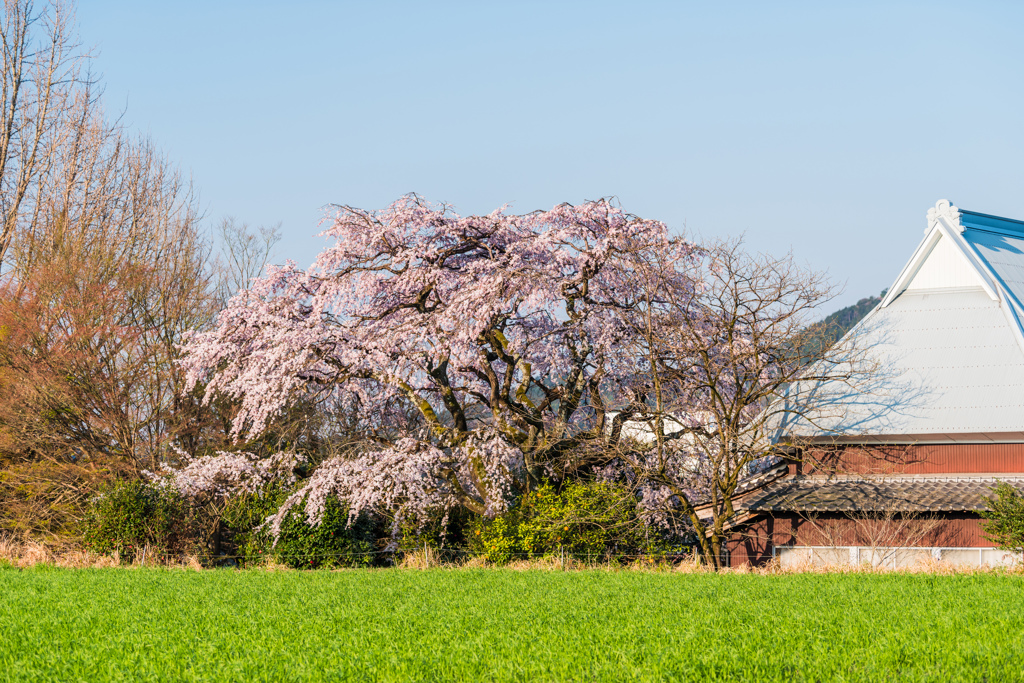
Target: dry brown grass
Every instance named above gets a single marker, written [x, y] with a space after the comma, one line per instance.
[427, 558]
[28, 553]
[551, 563]
[693, 565]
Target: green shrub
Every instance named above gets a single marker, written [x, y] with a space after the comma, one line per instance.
[585, 520]
[131, 515]
[332, 543]
[243, 536]
[446, 533]
[1004, 520]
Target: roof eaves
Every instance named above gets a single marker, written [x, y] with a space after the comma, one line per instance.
[990, 223]
[879, 493]
[1011, 309]
[914, 439]
[909, 270]
[749, 486]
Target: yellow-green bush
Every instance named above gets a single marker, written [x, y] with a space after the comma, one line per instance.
[584, 520]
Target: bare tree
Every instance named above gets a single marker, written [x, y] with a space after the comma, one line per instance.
[245, 253]
[727, 362]
[887, 536]
[44, 93]
[101, 298]
[98, 294]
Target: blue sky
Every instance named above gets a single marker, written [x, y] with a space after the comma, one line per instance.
[816, 127]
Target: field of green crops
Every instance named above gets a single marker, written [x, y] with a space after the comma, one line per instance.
[492, 625]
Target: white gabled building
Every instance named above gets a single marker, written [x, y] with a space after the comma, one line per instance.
[951, 327]
[937, 426]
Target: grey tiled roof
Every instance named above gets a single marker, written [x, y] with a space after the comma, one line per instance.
[758, 480]
[896, 494]
[751, 483]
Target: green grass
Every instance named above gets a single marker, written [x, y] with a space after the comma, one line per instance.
[480, 625]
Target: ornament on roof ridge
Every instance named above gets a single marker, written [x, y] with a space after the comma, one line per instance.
[944, 209]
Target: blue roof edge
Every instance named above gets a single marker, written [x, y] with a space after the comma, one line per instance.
[984, 221]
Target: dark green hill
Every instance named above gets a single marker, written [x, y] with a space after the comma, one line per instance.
[843, 320]
[827, 332]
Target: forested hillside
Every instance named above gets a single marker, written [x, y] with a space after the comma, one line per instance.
[834, 326]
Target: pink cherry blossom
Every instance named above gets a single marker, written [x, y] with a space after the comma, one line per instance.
[223, 475]
[506, 333]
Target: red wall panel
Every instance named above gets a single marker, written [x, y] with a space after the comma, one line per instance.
[950, 530]
[915, 459]
[753, 545]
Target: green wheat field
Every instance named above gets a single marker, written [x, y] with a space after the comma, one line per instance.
[495, 625]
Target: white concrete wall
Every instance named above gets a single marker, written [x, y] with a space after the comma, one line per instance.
[891, 558]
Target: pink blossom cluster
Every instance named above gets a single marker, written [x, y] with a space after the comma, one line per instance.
[410, 479]
[223, 475]
[407, 290]
[504, 332]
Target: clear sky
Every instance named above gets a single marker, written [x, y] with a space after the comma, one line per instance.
[825, 129]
